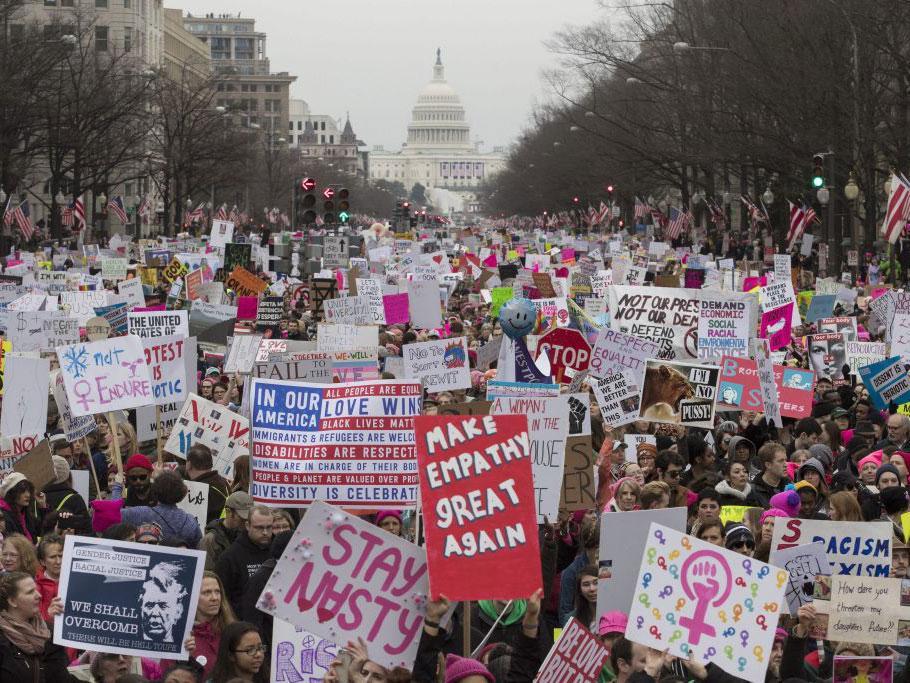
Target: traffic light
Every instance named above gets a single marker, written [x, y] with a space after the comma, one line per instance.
[818, 176]
[343, 204]
[305, 201]
[610, 189]
[575, 200]
[328, 206]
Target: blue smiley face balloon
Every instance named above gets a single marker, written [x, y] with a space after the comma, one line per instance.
[517, 317]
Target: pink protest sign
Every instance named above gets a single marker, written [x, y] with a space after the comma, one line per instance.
[776, 324]
[342, 578]
[396, 308]
[247, 307]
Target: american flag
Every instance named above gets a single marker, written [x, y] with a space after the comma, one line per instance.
[641, 209]
[797, 224]
[658, 218]
[196, 214]
[679, 221]
[756, 215]
[718, 217]
[78, 213]
[273, 215]
[285, 221]
[898, 210]
[221, 214]
[234, 215]
[115, 204]
[66, 216]
[811, 216]
[145, 207]
[21, 216]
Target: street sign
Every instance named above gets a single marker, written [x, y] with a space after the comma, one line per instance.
[307, 184]
[328, 193]
[567, 349]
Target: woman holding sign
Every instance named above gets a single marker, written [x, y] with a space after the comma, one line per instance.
[26, 650]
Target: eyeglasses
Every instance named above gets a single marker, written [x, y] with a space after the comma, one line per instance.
[742, 544]
[138, 477]
[252, 650]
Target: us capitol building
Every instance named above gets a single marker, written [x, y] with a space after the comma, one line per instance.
[439, 153]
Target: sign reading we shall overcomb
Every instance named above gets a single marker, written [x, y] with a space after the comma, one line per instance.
[351, 444]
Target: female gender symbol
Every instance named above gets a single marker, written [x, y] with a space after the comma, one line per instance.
[760, 620]
[707, 579]
[654, 632]
[659, 535]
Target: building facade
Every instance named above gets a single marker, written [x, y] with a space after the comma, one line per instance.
[439, 153]
[318, 136]
[246, 86]
[184, 53]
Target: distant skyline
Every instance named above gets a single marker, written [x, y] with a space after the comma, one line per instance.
[372, 57]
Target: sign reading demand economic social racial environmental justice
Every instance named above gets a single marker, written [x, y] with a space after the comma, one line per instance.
[352, 444]
[477, 493]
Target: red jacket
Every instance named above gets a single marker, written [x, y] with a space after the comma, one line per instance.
[47, 587]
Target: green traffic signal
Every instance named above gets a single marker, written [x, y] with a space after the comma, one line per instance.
[343, 216]
[818, 181]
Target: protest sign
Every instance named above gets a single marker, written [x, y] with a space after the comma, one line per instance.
[115, 315]
[355, 366]
[723, 328]
[269, 314]
[334, 251]
[668, 316]
[568, 352]
[623, 536]
[211, 322]
[578, 484]
[352, 444]
[105, 375]
[302, 366]
[739, 388]
[576, 657]
[861, 609]
[196, 501]
[132, 290]
[159, 324]
[548, 427]
[476, 487]
[379, 582]
[864, 353]
[705, 588]
[237, 255]
[766, 382]
[396, 308]
[845, 325]
[222, 233]
[616, 351]
[210, 424]
[37, 465]
[244, 283]
[337, 337]
[174, 271]
[618, 397]
[25, 395]
[242, 353]
[81, 305]
[679, 393]
[172, 364]
[298, 656]
[114, 268]
[127, 598]
[74, 427]
[802, 563]
[776, 326]
[854, 548]
[424, 304]
[821, 306]
[349, 310]
[442, 365]
[887, 382]
[372, 290]
[866, 669]
[776, 294]
[151, 422]
[827, 356]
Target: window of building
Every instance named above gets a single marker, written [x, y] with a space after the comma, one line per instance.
[101, 33]
[220, 87]
[331, 139]
[221, 48]
[50, 3]
[101, 4]
[66, 3]
[291, 126]
[127, 38]
[127, 4]
[300, 125]
[243, 48]
[323, 139]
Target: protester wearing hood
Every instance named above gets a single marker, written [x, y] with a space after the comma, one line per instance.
[813, 472]
[735, 488]
[702, 460]
[60, 494]
[16, 495]
[773, 478]
[220, 533]
[740, 449]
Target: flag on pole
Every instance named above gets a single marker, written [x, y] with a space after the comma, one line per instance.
[115, 204]
[641, 209]
[234, 216]
[78, 213]
[797, 224]
[21, 216]
[896, 214]
[145, 207]
[222, 213]
[679, 221]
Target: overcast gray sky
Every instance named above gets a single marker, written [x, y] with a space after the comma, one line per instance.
[371, 57]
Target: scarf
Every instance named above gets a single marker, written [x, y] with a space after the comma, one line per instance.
[29, 636]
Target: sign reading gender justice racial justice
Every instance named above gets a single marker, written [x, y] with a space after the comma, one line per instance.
[351, 444]
[477, 492]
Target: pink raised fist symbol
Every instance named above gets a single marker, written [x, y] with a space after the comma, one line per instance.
[706, 579]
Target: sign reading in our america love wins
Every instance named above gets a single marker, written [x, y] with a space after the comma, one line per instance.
[351, 444]
[378, 581]
[106, 375]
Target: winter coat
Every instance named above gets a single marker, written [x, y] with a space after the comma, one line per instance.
[47, 587]
[217, 539]
[254, 588]
[237, 565]
[47, 667]
[63, 498]
[731, 496]
[177, 526]
[761, 493]
[19, 522]
[207, 641]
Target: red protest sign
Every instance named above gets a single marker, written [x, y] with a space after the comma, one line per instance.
[577, 657]
[738, 388]
[477, 493]
[567, 349]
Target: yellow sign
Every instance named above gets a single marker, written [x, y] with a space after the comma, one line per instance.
[733, 513]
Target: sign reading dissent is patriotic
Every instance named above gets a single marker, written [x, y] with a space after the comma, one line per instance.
[348, 444]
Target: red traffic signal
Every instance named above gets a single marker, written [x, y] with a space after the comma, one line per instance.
[610, 189]
[307, 184]
[328, 193]
[575, 200]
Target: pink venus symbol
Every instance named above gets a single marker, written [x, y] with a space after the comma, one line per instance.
[706, 579]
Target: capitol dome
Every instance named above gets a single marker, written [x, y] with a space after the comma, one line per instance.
[438, 119]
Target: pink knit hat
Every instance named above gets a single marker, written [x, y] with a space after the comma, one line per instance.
[105, 513]
[459, 668]
[772, 512]
[787, 501]
[877, 461]
[382, 514]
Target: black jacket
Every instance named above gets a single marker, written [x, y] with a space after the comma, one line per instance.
[219, 490]
[63, 498]
[237, 565]
[254, 588]
[48, 667]
[762, 492]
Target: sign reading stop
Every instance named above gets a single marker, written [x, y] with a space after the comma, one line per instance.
[566, 348]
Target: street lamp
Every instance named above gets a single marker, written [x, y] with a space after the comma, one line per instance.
[2, 196]
[823, 196]
[189, 203]
[768, 196]
[102, 198]
[851, 189]
[851, 192]
[58, 198]
[887, 186]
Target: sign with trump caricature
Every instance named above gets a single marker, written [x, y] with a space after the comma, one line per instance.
[128, 598]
